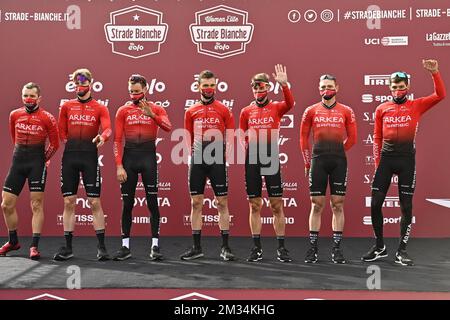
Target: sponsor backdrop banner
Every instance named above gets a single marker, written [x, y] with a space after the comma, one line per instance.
[170, 42]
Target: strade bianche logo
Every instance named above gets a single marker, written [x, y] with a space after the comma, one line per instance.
[136, 31]
[221, 31]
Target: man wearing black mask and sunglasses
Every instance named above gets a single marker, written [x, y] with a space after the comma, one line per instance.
[394, 150]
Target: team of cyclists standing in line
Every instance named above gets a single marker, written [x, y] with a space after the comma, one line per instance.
[84, 125]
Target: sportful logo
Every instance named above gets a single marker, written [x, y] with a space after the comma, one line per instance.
[367, 220]
[221, 31]
[136, 31]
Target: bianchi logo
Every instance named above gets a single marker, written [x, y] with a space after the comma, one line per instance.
[440, 202]
[136, 31]
[221, 31]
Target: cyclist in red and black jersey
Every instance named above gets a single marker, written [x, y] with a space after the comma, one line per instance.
[30, 127]
[206, 124]
[138, 122]
[396, 124]
[260, 124]
[79, 125]
[334, 132]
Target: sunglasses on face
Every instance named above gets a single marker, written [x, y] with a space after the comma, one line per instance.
[399, 74]
[259, 85]
[327, 77]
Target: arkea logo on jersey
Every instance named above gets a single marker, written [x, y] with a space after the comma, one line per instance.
[260, 121]
[329, 119]
[398, 119]
[29, 127]
[82, 117]
[135, 117]
[207, 120]
[136, 31]
[221, 31]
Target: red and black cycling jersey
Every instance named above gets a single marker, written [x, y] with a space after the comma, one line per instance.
[396, 124]
[330, 126]
[204, 121]
[30, 130]
[79, 123]
[255, 119]
[138, 128]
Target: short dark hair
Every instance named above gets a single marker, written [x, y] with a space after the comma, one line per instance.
[137, 78]
[205, 74]
[33, 85]
[399, 76]
[261, 77]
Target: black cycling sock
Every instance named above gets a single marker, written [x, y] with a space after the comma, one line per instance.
[257, 240]
[197, 234]
[35, 241]
[68, 235]
[13, 239]
[100, 237]
[337, 238]
[377, 216]
[405, 223]
[152, 204]
[280, 241]
[225, 235]
[313, 238]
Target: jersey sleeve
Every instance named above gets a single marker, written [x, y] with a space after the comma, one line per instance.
[243, 128]
[118, 136]
[161, 118]
[426, 103]
[229, 125]
[377, 136]
[189, 129]
[305, 130]
[350, 125]
[105, 123]
[62, 123]
[53, 136]
[288, 103]
[12, 126]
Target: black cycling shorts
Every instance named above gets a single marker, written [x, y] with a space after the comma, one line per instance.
[86, 163]
[326, 169]
[253, 178]
[24, 166]
[403, 166]
[139, 162]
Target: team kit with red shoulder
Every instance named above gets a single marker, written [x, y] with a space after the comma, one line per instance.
[327, 132]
